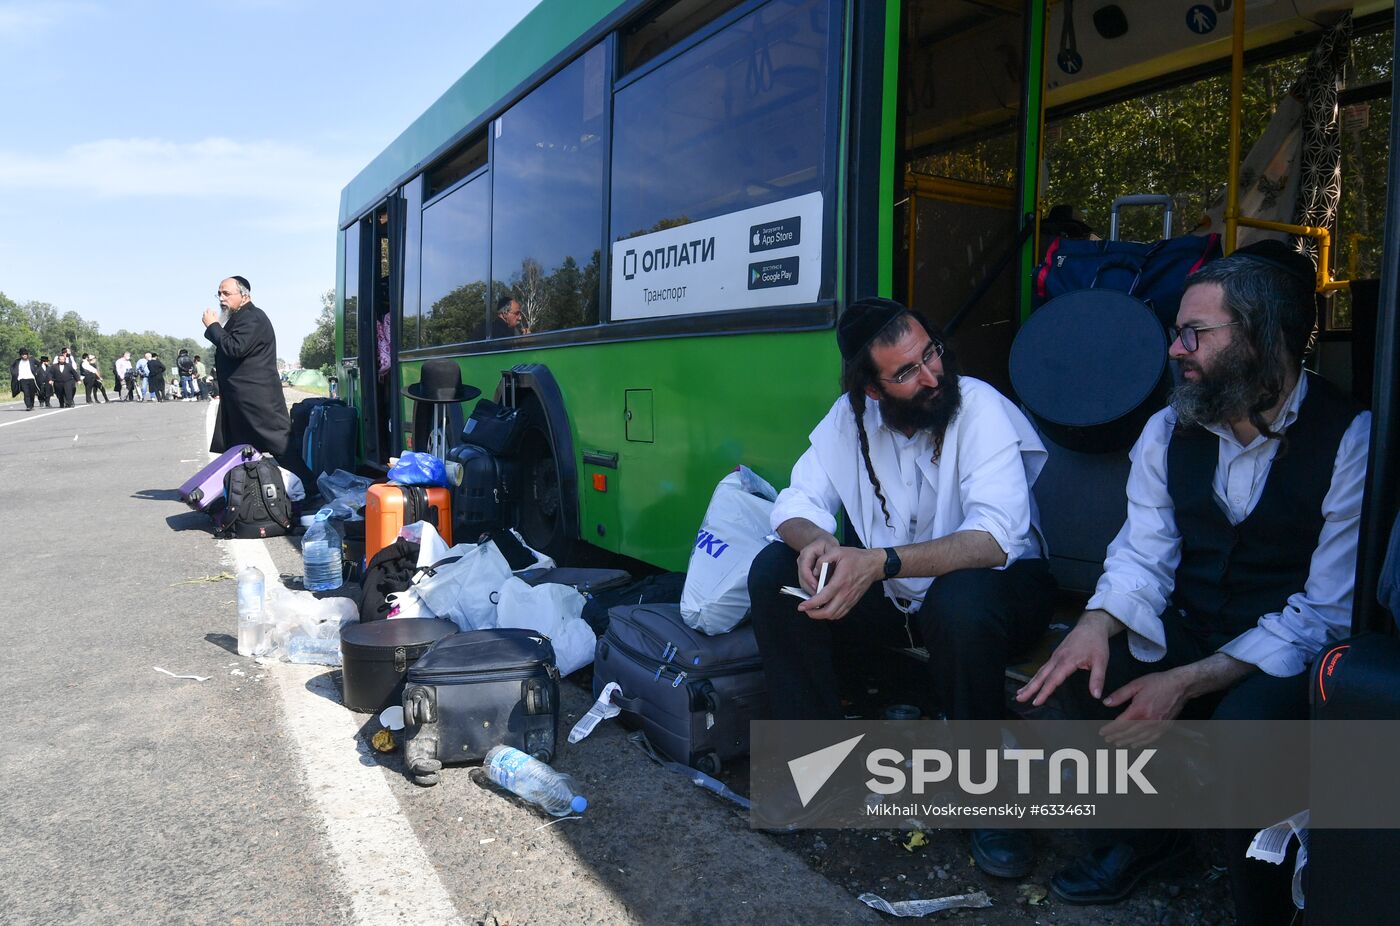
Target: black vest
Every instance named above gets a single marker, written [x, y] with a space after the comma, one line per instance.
[1233, 574]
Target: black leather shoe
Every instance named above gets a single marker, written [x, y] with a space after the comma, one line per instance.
[1108, 874]
[1003, 853]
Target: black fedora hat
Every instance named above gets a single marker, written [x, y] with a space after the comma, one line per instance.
[441, 381]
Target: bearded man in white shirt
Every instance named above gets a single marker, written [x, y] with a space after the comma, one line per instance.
[933, 471]
[1236, 563]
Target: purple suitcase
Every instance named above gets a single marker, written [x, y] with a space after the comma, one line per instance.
[206, 487]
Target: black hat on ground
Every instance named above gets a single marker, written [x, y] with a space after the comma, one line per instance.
[862, 321]
[1280, 256]
[441, 381]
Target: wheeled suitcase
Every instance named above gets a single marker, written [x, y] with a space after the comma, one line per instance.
[329, 443]
[476, 690]
[206, 487]
[693, 694]
[483, 501]
[296, 441]
[375, 657]
[389, 506]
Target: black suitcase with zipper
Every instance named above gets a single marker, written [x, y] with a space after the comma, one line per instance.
[693, 694]
[483, 501]
[476, 690]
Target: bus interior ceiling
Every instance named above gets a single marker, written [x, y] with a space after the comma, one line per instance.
[1109, 131]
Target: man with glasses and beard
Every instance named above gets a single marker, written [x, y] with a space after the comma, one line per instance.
[1236, 563]
[934, 471]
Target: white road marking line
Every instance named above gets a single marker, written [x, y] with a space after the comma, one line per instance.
[37, 417]
[383, 869]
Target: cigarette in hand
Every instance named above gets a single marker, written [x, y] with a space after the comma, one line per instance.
[821, 579]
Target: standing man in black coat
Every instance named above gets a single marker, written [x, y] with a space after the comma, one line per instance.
[252, 409]
[24, 377]
[155, 375]
[64, 375]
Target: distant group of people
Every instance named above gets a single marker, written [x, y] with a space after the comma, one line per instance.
[43, 380]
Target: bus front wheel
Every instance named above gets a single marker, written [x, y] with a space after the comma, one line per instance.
[541, 520]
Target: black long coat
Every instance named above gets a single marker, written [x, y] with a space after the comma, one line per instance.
[14, 375]
[252, 409]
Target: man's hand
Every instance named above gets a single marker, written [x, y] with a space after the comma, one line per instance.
[850, 572]
[810, 558]
[1086, 648]
[1153, 700]
[210, 316]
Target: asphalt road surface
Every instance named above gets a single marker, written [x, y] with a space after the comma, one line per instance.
[130, 796]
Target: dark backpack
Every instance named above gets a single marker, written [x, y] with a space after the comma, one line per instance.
[185, 365]
[255, 501]
[391, 570]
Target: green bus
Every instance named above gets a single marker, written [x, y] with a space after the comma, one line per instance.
[682, 195]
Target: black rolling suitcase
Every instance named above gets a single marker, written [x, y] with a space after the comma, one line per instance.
[329, 442]
[296, 441]
[693, 694]
[476, 690]
[483, 501]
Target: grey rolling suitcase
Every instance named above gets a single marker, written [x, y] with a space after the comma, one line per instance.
[692, 694]
[479, 689]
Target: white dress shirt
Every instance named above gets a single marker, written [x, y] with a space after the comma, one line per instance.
[991, 456]
[25, 371]
[1140, 570]
[121, 367]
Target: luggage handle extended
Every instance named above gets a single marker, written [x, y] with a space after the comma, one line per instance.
[1141, 199]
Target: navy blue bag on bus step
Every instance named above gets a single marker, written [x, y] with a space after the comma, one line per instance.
[1155, 273]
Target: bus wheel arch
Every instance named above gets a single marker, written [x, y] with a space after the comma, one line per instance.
[547, 514]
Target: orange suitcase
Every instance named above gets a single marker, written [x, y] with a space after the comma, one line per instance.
[389, 506]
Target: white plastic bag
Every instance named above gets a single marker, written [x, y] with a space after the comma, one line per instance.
[305, 628]
[461, 588]
[553, 610]
[716, 595]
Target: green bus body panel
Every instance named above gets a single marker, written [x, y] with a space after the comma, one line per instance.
[717, 402]
[545, 31]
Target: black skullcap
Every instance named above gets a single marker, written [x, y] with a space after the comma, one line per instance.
[862, 321]
[1280, 256]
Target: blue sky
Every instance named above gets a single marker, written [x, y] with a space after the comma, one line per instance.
[149, 148]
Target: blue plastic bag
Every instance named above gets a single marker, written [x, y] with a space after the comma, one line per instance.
[419, 469]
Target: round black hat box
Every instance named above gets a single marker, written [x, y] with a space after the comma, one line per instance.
[1091, 367]
[375, 657]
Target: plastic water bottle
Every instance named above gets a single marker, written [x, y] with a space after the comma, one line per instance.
[524, 775]
[250, 611]
[313, 651]
[320, 554]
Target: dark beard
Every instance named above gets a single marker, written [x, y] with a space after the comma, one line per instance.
[1224, 393]
[926, 410]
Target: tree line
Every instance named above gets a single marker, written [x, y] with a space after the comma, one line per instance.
[43, 330]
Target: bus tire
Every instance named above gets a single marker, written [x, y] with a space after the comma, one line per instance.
[547, 500]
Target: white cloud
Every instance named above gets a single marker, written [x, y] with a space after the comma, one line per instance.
[213, 167]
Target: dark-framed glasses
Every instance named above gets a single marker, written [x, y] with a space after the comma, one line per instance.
[1188, 333]
[906, 373]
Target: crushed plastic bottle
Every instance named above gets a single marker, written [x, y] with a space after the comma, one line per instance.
[522, 774]
[251, 623]
[320, 555]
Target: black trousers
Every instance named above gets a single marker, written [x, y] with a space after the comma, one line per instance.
[66, 392]
[974, 622]
[1262, 892]
[27, 386]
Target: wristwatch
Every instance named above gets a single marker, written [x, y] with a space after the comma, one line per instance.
[892, 563]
